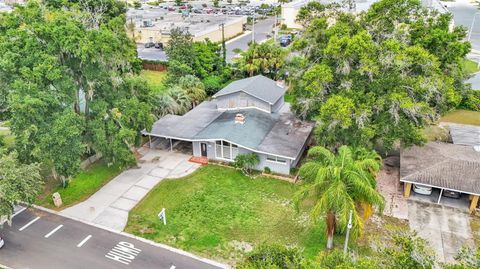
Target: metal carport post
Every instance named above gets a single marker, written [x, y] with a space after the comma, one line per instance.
[440, 196]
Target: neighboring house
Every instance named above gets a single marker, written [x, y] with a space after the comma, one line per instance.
[247, 116]
[442, 166]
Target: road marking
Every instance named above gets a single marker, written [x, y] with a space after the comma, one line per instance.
[18, 212]
[28, 224]
[123, 252]
[84, 241]
[53, 231]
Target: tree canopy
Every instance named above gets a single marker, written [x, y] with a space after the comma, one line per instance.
[67, 66]
[378, 76]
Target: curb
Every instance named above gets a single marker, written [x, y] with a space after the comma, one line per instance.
[172, 249]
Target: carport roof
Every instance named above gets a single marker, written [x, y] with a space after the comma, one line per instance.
[442, 165]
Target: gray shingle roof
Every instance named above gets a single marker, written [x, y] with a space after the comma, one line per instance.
[450, 166]
[259, 86]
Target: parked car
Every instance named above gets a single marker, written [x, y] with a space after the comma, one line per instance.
[420, 189]
[159, 46]
[285, 40]
[149, 45]
[451, 194]
[1, 242]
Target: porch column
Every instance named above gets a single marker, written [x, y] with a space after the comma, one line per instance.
[473, 203]
[171, 145]
[440, 196]
[407, 189]
[149, 141]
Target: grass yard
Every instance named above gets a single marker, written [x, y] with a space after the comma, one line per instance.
[154, 78]
[462, 117]
[218, 212]
[81, 187]
[471, 66]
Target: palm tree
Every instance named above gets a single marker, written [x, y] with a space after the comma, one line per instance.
[339, 184]
[194, 88]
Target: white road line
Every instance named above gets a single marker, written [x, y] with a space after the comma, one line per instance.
[84, 241]
[18, 212]
[28, 224]
[53, 231]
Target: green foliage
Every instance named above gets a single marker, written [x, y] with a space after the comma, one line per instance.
[471, 100]
[246, 163]
[266, 59]
[377, 77]
[137, 5]
[215, 3]
[18, 182]
[212, 84]
[339, 183]
[273, 257]
[409, 251]
[68, 66]
[336, 259]
[267, 170]
[466, 258]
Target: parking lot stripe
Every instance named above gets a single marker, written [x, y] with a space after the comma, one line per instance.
[18, 212]
[28, 224]
[83, 241]
[173, 267]
[53, 231]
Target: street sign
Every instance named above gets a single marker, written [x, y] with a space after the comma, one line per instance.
[162, 216]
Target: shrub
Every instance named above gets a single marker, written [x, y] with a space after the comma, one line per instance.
[246, 163]
[471, 100]
[267, 170]
[273, 256]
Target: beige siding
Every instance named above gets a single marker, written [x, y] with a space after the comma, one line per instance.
[241, 100]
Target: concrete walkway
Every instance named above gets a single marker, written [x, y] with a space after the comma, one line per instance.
[109, 206]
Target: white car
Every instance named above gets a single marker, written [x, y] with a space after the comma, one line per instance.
[420, 189]
[1, 242]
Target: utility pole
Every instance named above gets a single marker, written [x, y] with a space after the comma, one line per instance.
[253, 28]
[349, 226]
[224, 47]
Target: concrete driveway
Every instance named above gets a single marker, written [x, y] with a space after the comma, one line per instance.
[109, 206]
[446, 229]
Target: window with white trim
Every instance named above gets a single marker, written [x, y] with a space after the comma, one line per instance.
[225, 150]
[275, 159]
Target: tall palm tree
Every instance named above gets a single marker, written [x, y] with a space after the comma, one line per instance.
[339, 184]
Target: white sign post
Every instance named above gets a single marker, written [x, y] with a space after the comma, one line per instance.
[162, 216]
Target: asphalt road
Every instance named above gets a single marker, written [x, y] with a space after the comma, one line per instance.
[36, 240]
[262, 29]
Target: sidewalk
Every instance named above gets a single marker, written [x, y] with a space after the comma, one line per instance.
[109, 206]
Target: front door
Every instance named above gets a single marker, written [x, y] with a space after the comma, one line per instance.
[203, 147]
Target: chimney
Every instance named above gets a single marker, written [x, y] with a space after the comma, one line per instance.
[239, 118]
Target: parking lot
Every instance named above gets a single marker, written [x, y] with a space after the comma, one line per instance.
[39, 239]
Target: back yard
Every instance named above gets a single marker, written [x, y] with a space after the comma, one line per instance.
[218, 212]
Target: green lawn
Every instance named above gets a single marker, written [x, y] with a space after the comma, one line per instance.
[471, 66]
[82, 186]
[154, 78]
[462, 117]
[216, 210]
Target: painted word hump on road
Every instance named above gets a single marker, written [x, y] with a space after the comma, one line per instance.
[123, 252]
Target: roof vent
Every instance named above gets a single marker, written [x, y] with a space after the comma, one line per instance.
[240, 118]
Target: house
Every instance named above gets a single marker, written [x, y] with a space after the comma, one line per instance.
[247, 116]
[444, 167]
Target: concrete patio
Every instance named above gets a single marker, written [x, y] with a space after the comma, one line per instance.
[109, 206]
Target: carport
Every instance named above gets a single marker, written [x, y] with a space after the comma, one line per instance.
[443, 166]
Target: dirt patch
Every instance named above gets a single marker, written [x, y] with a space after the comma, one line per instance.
[475, 226]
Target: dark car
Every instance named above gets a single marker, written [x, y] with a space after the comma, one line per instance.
[159, 46]
[451, 194]
[149, 45]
